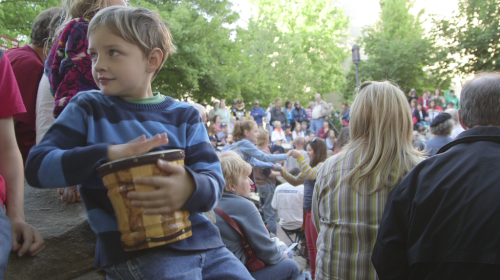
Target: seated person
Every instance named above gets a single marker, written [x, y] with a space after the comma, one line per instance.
[236, 205]
[287, 201]
[288, 133]
[441, 128]
[278, 133]
[291, 162]
[276, 148]
[223, 133]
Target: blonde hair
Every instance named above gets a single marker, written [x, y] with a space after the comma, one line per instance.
[263, 137]
[78, 9]
[233, 167]
[381, 131]
[138, 26]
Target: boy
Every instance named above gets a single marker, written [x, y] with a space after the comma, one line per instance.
[223, 133]
[128, 47]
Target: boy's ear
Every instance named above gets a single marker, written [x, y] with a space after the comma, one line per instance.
[155, 58]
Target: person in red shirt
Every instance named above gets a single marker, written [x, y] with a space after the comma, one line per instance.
[15, 234]
[27, 64]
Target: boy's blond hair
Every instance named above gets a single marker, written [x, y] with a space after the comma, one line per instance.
[138, 26]
[233, 167]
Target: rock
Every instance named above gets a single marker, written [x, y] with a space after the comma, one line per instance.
[69, 241]
[93, 275]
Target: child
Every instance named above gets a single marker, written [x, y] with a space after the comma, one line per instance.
[68, 65]
[245, 135]
[304, 128]
[84, 137]
[288, 133]
[298, 132]
[15, 234]
[223, 133]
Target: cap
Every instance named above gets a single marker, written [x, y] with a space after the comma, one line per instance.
[234, 102]
[212, 138]
[223, 125]
[412, 90]
[439, 119]
[256, 101]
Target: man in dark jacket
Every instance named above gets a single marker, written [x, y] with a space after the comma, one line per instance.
[299, 114]
[277, 114]
[441, 221]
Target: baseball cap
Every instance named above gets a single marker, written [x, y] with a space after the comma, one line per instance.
[256, 101]
[223, 125]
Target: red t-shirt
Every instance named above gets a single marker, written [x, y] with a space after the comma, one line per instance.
[11, 102]
[28, 69]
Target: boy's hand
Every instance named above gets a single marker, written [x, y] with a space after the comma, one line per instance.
[26, 239]
[137, 146]
[172, 191]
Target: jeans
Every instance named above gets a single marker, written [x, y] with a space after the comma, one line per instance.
[286, 269]
[316, 124]
[266, 194]
[162, 265]
[5, 241]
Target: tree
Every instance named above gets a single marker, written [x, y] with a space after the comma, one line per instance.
[205, 56]
[399, 51]
[293, 49]
[472, 36]
[16, 16]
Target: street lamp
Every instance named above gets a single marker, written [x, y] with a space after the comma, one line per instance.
[356, 59]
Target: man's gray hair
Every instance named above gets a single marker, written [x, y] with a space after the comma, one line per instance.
[480, 100]
[443, 129]
[454, 115]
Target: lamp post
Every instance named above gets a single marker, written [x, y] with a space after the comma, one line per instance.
[356, 59]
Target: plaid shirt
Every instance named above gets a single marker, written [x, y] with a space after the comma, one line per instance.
[346, 221]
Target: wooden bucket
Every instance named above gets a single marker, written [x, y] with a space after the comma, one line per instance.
[140, 231]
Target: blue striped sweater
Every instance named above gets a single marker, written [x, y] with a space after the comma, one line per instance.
[77, 144]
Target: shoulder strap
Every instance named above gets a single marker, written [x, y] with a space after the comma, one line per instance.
[228, 220]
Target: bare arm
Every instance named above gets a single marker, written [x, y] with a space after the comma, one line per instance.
[12, 170]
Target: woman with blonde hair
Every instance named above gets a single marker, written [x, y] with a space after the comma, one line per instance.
[352, 187]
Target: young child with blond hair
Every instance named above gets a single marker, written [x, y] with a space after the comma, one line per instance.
[128, 47]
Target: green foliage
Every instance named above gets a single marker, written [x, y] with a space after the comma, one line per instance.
[16, 16]
[398, 50]
[293, 50]
[472, 35]
[290, 49]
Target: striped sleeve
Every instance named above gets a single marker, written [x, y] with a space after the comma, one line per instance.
[63, 158]
[203, 164]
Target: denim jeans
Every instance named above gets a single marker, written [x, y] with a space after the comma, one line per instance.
[316, 125]
[286, 269]
[266, 194]
[5, 241]
[165, 265]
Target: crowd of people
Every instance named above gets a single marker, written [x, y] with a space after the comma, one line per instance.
[434, 126]
[406, 190]
[284, 124]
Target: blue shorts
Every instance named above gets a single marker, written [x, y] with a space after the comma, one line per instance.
[5, 241]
